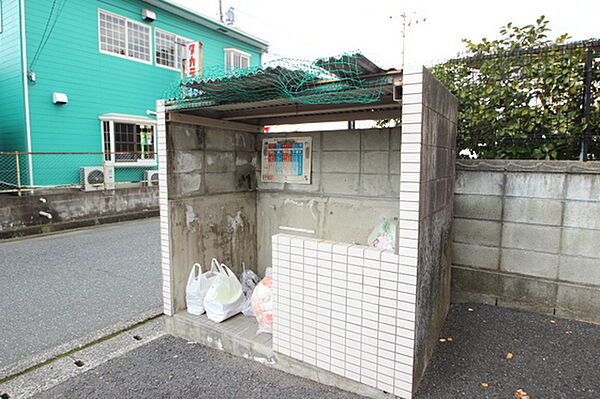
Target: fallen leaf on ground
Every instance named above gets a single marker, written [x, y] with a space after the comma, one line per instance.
[521, 394]
[509, 355]
[485, 384]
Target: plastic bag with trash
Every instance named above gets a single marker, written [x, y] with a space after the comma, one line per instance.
[224, 297]
[383, 236]
[262, 303]
[197, 286]
[248, 279]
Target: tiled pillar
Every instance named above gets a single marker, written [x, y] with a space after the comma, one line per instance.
[165, 254]
[427, 159]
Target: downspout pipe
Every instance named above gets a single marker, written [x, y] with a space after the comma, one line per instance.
[26, 89]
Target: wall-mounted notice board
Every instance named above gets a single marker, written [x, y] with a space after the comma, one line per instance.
[286, 160]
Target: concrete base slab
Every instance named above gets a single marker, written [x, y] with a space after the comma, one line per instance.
[237, 336]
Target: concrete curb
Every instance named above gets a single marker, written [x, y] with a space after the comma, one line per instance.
[73, 230]
[52, 353]
[75, 224]
[65, 367]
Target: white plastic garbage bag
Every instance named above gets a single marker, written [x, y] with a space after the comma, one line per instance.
[224, 297]
[383, 236]
[248, 279]
[262, 304]
[197, 287]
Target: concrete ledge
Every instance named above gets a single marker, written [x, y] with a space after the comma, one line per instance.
[75, 224]
[237, 336]
[533, 166]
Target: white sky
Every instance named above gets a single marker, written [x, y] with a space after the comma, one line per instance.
[310, 29]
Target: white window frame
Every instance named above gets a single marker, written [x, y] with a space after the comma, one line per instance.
[111, 119]
[125, 56]
[233, 52]
[178, 38]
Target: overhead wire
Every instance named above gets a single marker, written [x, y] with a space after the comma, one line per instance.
[45, 30]
[47, 33]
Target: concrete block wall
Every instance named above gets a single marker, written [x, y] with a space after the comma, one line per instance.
[347, 309]
[20, 216]
[429, 115]
[526, 236]
[209, 161]
[209, 207]
[355, 186]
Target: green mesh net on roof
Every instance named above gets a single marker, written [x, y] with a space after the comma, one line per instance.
[348, 78]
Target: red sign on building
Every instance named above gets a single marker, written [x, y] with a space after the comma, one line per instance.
[193, 58]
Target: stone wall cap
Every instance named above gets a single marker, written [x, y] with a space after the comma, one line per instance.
[531, 166]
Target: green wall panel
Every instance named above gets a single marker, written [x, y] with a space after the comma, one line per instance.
[97, 83]
[12, 103]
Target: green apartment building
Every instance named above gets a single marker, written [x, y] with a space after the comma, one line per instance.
[83, 76]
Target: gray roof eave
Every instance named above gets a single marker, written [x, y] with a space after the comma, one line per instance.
[210, 23]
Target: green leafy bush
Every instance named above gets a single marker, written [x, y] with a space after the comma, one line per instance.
[521, 96]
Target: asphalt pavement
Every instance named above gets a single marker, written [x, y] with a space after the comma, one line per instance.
[61, 289]
[551, 358]
[170, 368]
[494, 352]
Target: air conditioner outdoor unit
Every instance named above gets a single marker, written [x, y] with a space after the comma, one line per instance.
[151, 178]
[94, 178]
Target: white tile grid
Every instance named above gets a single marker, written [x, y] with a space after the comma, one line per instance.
[298, 306]
[308, 288]
[354, 315]
[281, 322]
[370, 316]
[280, 269]
[339, 297]
[310, 310]
[324, 305]
[410, 169]
[347, 322]
[276, 273]
[161, 131]
[387, 330]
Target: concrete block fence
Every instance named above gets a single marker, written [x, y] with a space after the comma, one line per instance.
[527, 236]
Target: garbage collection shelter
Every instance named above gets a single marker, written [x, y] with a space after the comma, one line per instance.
[361, 318]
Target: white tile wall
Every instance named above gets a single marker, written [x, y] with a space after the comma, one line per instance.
[347, 309]
[163, 207]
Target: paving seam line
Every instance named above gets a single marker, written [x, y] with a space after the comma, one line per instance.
[44, 355]
[79, 349]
